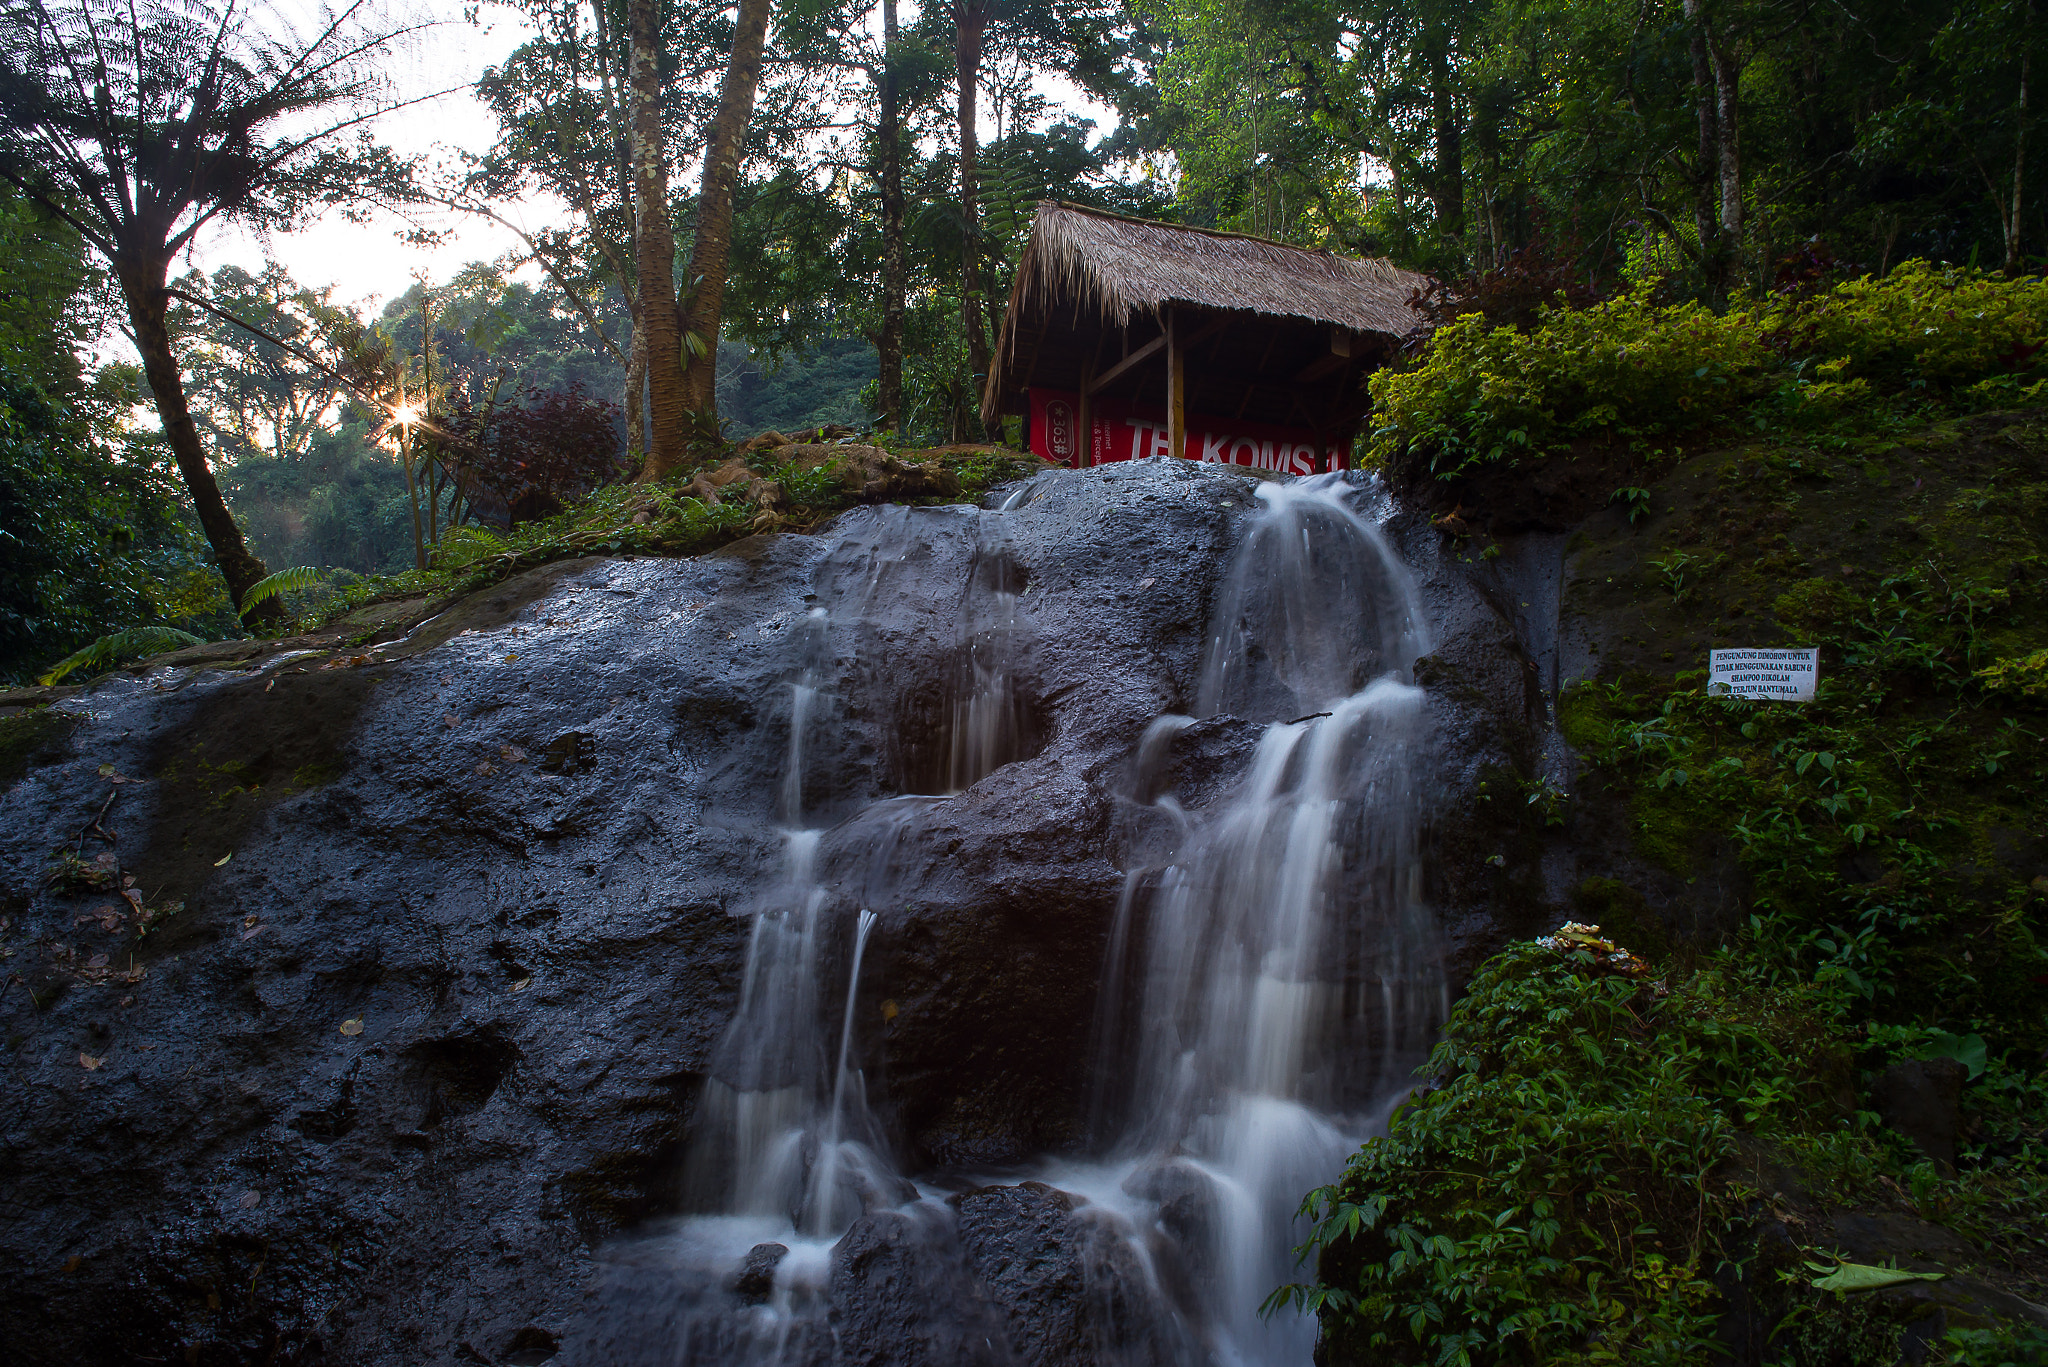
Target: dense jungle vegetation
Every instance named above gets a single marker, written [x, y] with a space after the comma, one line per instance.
[1753, 288]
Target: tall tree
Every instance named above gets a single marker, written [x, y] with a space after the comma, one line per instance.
[711, 253]
[895, 272]
[143, 123]
[668, 426]
[970, 33]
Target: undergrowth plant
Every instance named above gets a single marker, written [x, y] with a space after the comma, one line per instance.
[1579, 1181]
[1924, 339]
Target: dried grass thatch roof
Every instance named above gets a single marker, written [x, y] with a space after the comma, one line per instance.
[1125, 266]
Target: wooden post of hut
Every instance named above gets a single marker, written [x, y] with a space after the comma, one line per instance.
[1226, 348]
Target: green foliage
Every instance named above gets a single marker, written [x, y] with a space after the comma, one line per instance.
[1632, 369]
[1551, 1196]
[1890, 912]
[89, 542]
[2022, 679]
[108, 651]
[280, 582]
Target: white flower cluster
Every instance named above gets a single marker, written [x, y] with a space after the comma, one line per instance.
[1572, 936]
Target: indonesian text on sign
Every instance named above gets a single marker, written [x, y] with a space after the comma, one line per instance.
[1127, 431]
[1779, 675]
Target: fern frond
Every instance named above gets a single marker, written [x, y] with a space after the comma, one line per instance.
[284, 581]
[107, 650]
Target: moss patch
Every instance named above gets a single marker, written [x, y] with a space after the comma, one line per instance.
[37, 737]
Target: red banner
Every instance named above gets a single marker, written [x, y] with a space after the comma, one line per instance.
[1127, 431]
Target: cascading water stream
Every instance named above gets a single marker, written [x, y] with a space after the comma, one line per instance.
[1271, 974]
[1287, 975]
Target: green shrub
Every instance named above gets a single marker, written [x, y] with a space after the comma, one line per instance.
[1628, 367]
[1635, 370]
[2024, 678]
[1554, 1197]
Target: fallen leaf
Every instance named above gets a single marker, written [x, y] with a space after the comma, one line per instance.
[352, 1027]
[520, 986]
[129, 881]
[510, 658]
[1865, 1277]
[88, 1062]
[1146, 583]
[250, 1199]
[889, 1009]
[134, 898]
[451, 719]
[252, 930]
[96, 961]
[511, 754]
[224, 859]
[485, 769]
[272, 684]
[73, 1263]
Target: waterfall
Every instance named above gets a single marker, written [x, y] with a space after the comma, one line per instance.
[1288, 974]
[1271, 975]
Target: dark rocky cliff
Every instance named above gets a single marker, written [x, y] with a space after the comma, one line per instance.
[441, 932]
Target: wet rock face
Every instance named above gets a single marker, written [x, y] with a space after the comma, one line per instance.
[442, 936]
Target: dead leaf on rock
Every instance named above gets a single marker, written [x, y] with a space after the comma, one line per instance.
[224, 859]
[252, 931]
[352, 1027]
[451, 719]
[485, 769]
[88, 1062]
[510, 658]
[96, 961]
[889, 1010]
[511, 754]
[73, 1263]
[112, 775]
[250, 1199]
[521, 985]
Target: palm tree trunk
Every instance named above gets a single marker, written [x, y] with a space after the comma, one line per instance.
[895, 277]
[668, 435]
[144, 287]
[711, 254]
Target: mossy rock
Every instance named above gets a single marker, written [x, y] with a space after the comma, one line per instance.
[33, 738]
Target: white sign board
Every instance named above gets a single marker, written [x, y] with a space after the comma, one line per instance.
[1779, 675]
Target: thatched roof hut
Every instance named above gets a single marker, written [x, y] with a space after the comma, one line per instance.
[1110, 308]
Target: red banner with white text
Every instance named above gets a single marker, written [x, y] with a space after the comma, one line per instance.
[1127, 431]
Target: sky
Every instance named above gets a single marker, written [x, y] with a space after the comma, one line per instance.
[369, 261]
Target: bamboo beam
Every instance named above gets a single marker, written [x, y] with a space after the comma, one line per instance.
[1176, 387]
[1116, 372]
[1084, 419]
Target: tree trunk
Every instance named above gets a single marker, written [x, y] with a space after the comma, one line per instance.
[895, 277]
[1709, 154]
[144, 286]
[1727, 130]
[2019, 154]
[668, 433]
[636, 390]
[971, 18]
[711, 255]
[1447, 185]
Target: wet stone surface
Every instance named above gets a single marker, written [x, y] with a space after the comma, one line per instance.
[442, 937]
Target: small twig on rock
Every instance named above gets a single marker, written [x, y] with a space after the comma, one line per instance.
[94, 824]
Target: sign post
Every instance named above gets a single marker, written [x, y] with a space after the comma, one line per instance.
[1773, 675]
